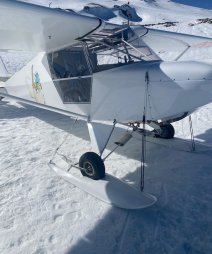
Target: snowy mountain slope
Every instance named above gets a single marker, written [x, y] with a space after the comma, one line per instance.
[41, 213]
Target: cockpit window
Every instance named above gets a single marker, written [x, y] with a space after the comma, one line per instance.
[74, 90]
[71, 75]
[68, 63]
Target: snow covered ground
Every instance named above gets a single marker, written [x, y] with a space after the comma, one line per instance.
[41, 213]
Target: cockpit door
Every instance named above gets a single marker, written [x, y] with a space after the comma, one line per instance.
[71, 75]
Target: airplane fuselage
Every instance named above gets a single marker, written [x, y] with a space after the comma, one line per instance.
[163, 89]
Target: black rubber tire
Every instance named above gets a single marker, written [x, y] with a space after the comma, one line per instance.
[167, 131]
[93, 166]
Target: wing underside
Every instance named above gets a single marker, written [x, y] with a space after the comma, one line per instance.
[28, 27]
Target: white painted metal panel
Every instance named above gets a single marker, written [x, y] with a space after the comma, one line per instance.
[36, 28]
[174, 88]
[175, 45]
[118, 93]
[178, 87]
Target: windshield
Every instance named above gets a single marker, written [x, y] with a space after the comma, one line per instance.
[119, 45]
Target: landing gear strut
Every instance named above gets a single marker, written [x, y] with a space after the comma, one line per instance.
[160, 130]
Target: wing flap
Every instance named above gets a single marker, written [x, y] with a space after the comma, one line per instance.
[29, 27]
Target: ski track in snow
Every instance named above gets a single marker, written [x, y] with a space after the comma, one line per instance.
[41, 213]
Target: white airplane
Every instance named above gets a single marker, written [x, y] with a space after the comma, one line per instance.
[103, 73]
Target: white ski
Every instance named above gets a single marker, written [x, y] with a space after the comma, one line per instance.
[109, 189]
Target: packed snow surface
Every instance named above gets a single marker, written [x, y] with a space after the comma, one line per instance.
[41, 213]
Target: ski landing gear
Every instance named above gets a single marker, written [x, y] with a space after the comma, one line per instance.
[162, 130]
[108, 188]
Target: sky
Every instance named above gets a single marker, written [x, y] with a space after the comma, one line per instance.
[207, 4]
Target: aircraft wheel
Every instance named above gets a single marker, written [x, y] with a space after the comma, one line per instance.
[167, 131]
[93, 166]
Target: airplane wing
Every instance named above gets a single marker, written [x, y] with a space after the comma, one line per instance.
[165, 42]
[29, 27]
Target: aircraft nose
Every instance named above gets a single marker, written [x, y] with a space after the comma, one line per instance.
[179, 87]
[189, 75]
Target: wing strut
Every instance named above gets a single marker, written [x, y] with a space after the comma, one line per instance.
[193, 146]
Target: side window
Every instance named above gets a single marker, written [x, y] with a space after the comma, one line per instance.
[71, 75]
[74, 90]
